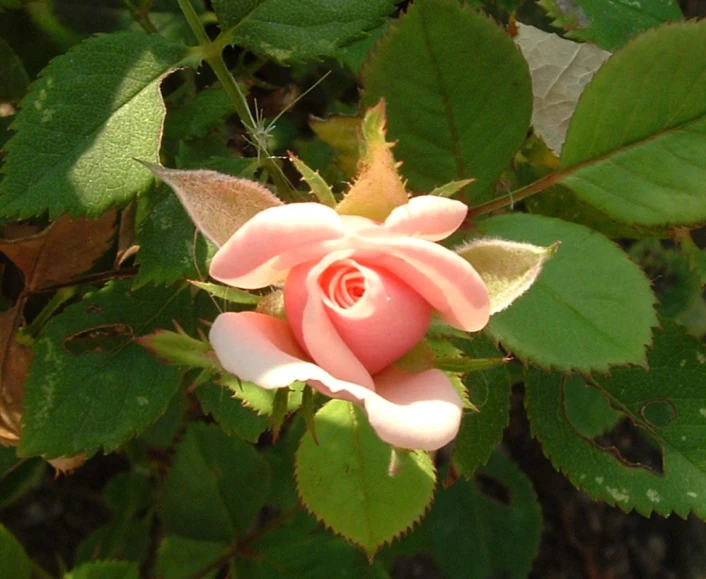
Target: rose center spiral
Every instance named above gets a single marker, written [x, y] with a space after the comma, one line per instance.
[343, 284]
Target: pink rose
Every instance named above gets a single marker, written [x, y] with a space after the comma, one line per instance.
[358, 295]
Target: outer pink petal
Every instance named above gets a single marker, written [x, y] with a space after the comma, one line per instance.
[415, 410]
[252, 257]
[446, 280]
[428, 217]
[312, 326]
[419, 411]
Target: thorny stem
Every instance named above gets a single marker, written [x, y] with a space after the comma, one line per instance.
[518, 195]
[214, 57]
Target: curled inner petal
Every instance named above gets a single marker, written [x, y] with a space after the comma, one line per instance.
[343, 285]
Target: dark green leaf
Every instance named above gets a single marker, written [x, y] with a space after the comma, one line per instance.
[358, 485]
[610, 23]
[476, 535]
[667, 403]
[208, 110]
[636, 146]
[215, 488]
[489, 392]
[590, 308]
[13, 559]
[288, 31]
[127, 535]
[89, 115]
[17, 476]
[588, 409]
[230, 413]
[90, 385]
[300, 548]
[181, 558]
[104, 570]
[13, 76]
[460, 99]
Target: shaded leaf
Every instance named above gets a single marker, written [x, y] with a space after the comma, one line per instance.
[92, 111]
[307, 29]
[666, 402]
[218, 204]
[13, 559]
[502, 538]
[635, 148]
[460, 100]
[342, 133]
[104, 570]
[590, 309]
[226, 482]
[232, 415]
[489, 391]
[57, 254]
[180, 558]
[13, 76]
[300, 548]
[560, 70]
[91, 386]
[610, 23]
[346, 480]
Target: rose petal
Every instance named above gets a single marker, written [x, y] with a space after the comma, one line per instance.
[447, 281]
[261, 349]
[312, 326]
[383, 324]
[420, 411]
[251, 258]
[428, 217]
[417, 411]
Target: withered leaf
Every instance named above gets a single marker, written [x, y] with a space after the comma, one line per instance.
[55, 255]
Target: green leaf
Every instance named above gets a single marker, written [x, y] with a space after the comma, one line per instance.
[206, 111]
[259, 399]
[13, 76]
[293, 31]
[346, 479]
[588, 409]
[88, 116]
[475, 535]
[90, 385]
[460, 100]
[667, 402]
[215, 488]
[635, 148]
[180, 558]
[104, 570]
[300, 548]
[591, 307]
[127, 535]
[18, 476]
[230, 413]
[227, 293]
[489, 391]
[113, 15]
[13, 559]
[167, 225]
[610, 23]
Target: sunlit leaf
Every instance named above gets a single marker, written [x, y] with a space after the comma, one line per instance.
[353, 483]
[667, 402]
[591, 308]
[85, 120]
[460, 99]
